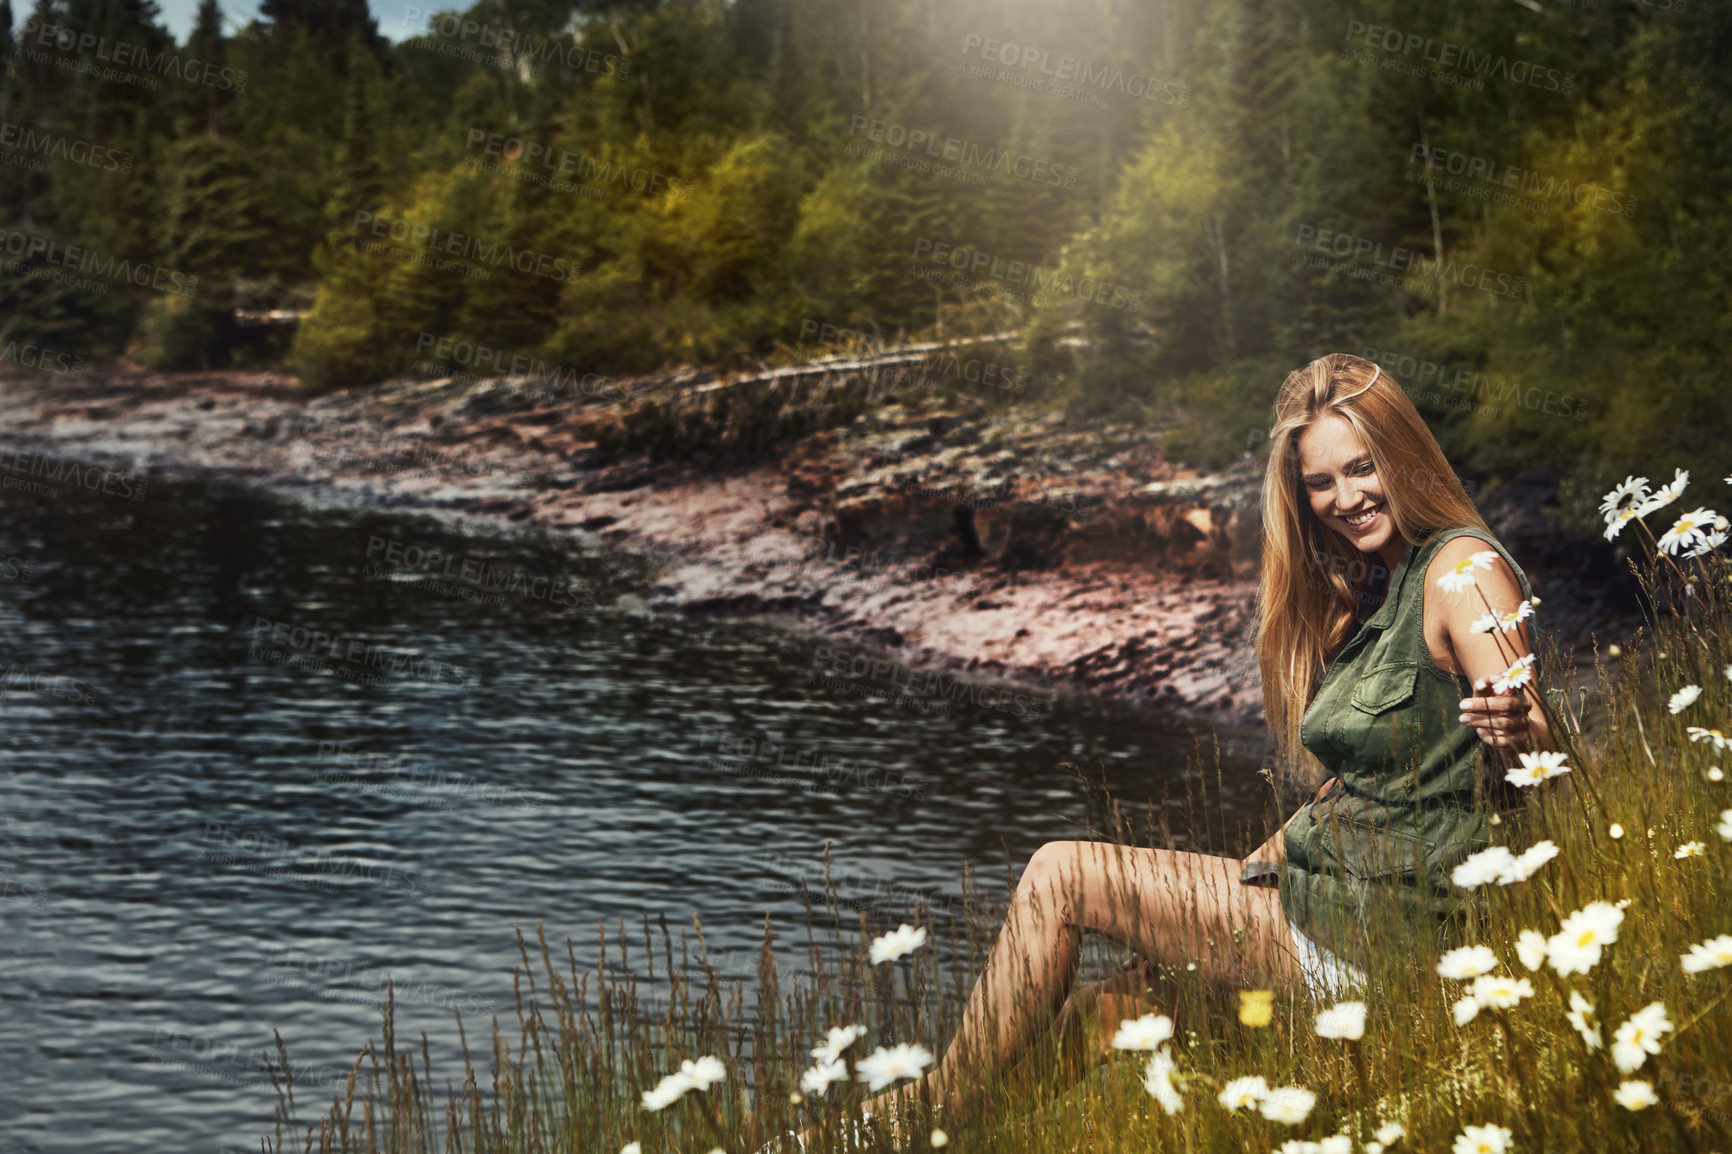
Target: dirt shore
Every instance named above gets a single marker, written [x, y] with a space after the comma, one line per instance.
[954, 535]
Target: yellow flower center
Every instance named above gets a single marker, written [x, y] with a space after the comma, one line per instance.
[1587, 939]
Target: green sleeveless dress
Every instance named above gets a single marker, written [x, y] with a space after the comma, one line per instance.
[1368, 863]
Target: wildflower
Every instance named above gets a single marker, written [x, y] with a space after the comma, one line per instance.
[882, 1067]
[1615, 831]
[1144, 1033]
[1712, 954]
[1575, 949]
[1391, 1132]
[1615, 523]
[1515, 676]
[1484, 624]
[1687, 530]
[1158, 1080]
[1256, 1007]
[1523, 867]
[940, 1139]
[1483, 868]
[1614, 651]
[1690, 849]
[1242, 1092]
[1724, 829]
[1289, 1105]
[1707, 542]
[1531, 949]
[1467, 962]
[841, 1037]
[1491, 1139]
[668, 1091]
[1713, 736]
[1639, 1037]
[1509, 621]
[1501, 993]
[1537, 767]
[1580, 1011]
[1343, 1020]
[1728, 672]
[795, 1097]
[1665, 494]
[1460, 575]
[822, 1075]
[631, 1148]
[1635, 1095]
[1684, 698]
[1714, 773]
[1626, 495]
[897, 943]
[1335, 1144]
[1465, 1010]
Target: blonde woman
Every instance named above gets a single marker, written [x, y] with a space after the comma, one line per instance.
[1368, 668]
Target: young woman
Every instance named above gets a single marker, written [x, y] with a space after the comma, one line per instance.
[1369, 670]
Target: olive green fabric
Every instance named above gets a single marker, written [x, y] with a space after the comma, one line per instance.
[1371, 858]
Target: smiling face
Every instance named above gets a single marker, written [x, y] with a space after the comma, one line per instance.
[1340, 481]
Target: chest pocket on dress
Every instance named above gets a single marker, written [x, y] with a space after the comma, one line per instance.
[1386, 686]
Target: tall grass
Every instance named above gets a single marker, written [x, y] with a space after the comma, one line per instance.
[567, 1075]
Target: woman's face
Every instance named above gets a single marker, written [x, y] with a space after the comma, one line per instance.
[1339, 479]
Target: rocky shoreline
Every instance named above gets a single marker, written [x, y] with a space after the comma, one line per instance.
[953, 535]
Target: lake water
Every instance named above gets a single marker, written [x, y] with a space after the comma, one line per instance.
[258, 753]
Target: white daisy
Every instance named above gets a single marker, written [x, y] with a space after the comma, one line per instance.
[1713, 954]
[820, 1077]
[1523, 867]
[1484, 624]
[1537, 767]
[841, 1037]
[897, 943]
[1483, 868]
[1689, 849]
[1728, 672]
[1158, 1080]
[882, 1067]
[631, 1148]
[1627, 494]
[1635, 1095]
[1335, 1144]
[1531, 949]
[1615, 524]
[1665, 494]
[1684, 698]
[1466, 963]
[1496, 992]
[1489, 1139]
[1242, 1092]
[1580, 1011]
[1466, 1009]
[1515, 676]
[1391, 1132]
[1460, 575]
[1576, 948]
[1289, 1105]
[1706, 543]
[1639, 1037]
[668, 1091]
[1144, 1033]
[1686, 530]
[1342, 1020]
[1509, 621]
[703, 1073]
[1724, 829]
[1712, 736]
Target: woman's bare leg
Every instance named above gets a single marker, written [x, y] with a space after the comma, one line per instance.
[1173, 908]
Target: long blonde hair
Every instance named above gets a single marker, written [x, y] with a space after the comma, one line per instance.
[1307, 596]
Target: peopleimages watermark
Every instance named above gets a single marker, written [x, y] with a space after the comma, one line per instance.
[870, 567]
[960, 152]
[297, 969]
[28, 246]
[226, 1062]
[511, 48]
[36, 473]
[1068, 76]
[973, 262]
[382, 450]
[1464, 388]
[853, 887]
[933, 364]
[815, 769]
[1428, 272]
[71, 43]
[524, 158]
[1442, 59]
[16, 570]
[47, 683]
[32, 146]
[247, 851]
[31, 355]
[1477, 170]
[487, 361]
[876, 676]
[384, 774]
[351, 658]
[387, 557]
[439, 242]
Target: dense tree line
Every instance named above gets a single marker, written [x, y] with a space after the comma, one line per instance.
[1520, 207]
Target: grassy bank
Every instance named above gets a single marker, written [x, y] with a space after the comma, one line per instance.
[1502, 1053]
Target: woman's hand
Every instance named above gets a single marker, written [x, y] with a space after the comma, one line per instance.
[1500, 720]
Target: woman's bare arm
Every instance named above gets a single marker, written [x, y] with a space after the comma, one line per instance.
[1275, 849]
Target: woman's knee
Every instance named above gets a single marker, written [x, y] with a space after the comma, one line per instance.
[1054, 868]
